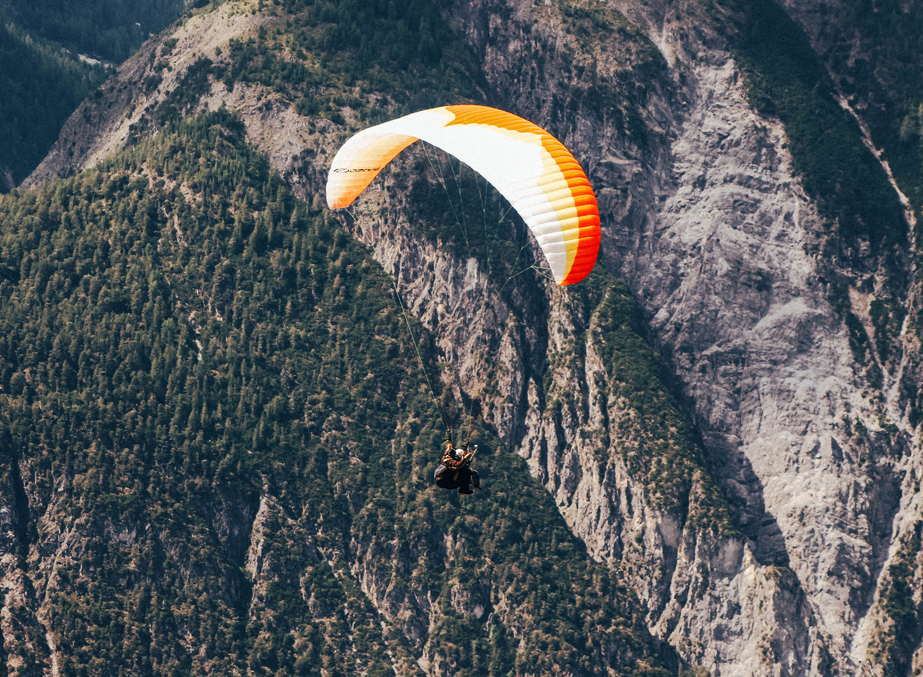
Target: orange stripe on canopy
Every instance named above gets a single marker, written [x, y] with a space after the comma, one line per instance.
[531, 168]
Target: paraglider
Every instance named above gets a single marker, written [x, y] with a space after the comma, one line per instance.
[455, 471]
[540, 178]
[533, 170]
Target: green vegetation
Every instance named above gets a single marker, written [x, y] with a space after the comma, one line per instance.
[696, 672]
[180, 101]
[860, 343]
[785, 79]
[657, 444]
[904, 150]
[40, 41]
[900, 629]
[887, 319]
[877, 62]
[30, 119]
[110, 30]
[181, 340]
[615, 87]
[595, 22]
[378, 58]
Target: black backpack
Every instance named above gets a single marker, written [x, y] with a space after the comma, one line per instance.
[445, 478]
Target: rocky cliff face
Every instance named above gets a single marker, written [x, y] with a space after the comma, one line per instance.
[723, 267]
[867, 74]
[792, 473]
[715, 237]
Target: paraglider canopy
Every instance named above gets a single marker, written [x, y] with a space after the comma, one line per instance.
[530, 168]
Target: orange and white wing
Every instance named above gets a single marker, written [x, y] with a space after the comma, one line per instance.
[532, 169]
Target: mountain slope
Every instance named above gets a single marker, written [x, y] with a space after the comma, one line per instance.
[746, 475]
[30, 120]
[224, 448]
[876, 80]
[54, 54]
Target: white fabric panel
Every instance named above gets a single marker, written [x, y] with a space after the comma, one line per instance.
[513, 166]
[558, 263]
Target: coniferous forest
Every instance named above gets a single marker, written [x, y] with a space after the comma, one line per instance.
[54, 54]
[181, 337]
